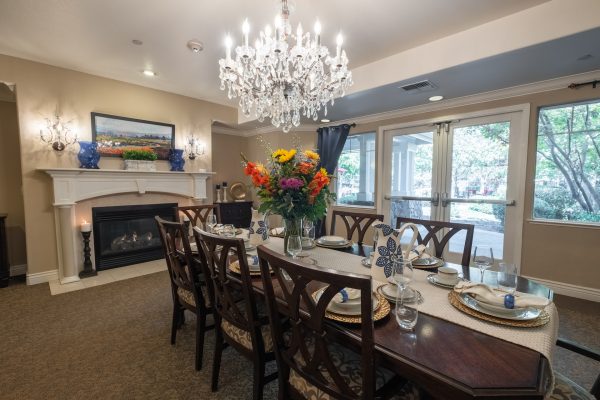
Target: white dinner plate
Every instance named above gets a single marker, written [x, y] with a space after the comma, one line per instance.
[351, 310]
[516, 314]
[332, 240]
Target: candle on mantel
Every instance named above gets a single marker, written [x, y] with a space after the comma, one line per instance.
[86, 226]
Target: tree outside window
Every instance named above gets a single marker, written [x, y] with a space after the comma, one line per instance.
[356, 171]
[567, 178]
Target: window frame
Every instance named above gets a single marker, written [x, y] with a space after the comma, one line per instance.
[375, 174]
[548, 221]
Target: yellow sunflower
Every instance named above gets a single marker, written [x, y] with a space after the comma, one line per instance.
[287, 156]
[311, 154]
[278, 152]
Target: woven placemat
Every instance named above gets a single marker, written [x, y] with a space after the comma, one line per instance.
[235, 268]
[382, 310]
[539, 321]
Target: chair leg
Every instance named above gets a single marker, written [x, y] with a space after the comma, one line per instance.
[259, 379]
[217, 356]
[175, 323]
[200, 328]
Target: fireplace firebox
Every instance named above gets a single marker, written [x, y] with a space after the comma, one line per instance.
[125, 235]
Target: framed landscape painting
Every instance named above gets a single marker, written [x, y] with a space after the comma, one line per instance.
[115, 134]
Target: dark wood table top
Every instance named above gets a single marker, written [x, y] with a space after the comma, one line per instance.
[452, 361]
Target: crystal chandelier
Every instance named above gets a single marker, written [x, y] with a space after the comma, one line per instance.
[284, 76]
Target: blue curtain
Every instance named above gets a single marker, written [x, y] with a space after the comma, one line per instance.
[330, 142]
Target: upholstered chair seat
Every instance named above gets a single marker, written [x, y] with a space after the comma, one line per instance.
[188, 297]
[242, 336]
[566, 389]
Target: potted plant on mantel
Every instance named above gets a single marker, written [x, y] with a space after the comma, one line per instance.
[140, 159]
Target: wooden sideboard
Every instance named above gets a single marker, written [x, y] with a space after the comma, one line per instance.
[238, 213]
[4, 267]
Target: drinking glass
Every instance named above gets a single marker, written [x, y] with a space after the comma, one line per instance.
[507, 277]
[405, 316]
[294, 245]
[483, 257]
[402, 273]
[308, 233]
[375, 238]
[211, 221]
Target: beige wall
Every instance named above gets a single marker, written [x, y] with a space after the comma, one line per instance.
[11, 196]
[227, 161]
[40, 88]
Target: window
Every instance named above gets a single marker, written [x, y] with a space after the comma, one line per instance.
[356, 171]
[567, 176]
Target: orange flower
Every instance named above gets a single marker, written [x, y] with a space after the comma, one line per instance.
[319, 181]
[305, 167]
[250, 168]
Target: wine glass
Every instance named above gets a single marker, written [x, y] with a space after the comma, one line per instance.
[211, 221]
[375, 239]
[483, 257]
[294, 245]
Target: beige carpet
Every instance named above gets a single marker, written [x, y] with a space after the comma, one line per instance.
[112, 342]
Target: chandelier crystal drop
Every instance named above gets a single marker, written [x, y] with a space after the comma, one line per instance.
[284, 76]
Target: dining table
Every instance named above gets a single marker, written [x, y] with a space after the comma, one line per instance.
[449, 354]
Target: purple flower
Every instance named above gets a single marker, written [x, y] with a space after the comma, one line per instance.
[291, 183]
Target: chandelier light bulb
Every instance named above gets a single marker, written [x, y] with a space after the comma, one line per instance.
[317, 28]
[268, 31]
[228, 44]
[339, 40]
[299, 36]
[246, 27]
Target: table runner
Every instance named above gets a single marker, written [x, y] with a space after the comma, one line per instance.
[541, 339]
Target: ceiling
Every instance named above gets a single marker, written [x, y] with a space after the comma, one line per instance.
[96, 37]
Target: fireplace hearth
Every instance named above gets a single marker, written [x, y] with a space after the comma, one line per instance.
[125, 235]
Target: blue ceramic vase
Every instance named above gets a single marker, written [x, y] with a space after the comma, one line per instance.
[176, 159]
[88, 155]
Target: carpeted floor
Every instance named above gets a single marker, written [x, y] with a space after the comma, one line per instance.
[112, 342]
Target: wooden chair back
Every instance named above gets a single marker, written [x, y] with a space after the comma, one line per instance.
[354, 221]
[243, 315]
[433, 227]
[180, 261]
[304, 347]
[198, 214]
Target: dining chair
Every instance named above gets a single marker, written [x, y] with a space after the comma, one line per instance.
[239, 324]
[354, 221]
[566, 389]
[187, 290]
[312, 362]
[433, 227]
[198, 214]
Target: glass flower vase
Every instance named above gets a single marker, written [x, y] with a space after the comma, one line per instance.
[293, 226]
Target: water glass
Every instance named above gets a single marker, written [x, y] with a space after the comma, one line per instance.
[211, 221]
[228, 230]
[405, 316]
[294, 245]
[507, 277]
[483, 257]
[308, 233]
[402, 272]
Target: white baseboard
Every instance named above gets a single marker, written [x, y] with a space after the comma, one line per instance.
[16, 270]
[566, 289]
[42, 277]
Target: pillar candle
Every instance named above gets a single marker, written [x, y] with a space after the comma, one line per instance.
[86, 226]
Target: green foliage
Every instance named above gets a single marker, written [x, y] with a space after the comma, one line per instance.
[143, 155]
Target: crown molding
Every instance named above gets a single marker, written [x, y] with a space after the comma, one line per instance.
[484, 97]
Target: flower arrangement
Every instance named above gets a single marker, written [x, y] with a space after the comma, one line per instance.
[292, 185]
[143, 154]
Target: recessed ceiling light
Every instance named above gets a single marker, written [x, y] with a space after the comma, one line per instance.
[137, 42]
[325, 120]
[149, 72]
[436, 98]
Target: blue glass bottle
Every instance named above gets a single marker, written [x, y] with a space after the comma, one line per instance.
[176, 159]
[88, 155]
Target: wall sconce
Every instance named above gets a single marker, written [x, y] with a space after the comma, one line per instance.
[194, 148]
[57, 133]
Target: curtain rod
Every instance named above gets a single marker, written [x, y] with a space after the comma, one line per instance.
[353, 125]
[577, 85]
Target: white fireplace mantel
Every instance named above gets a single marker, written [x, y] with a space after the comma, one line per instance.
[72, 185]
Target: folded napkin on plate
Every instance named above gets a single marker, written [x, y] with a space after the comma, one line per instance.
[418, 252]
[485, 294]
[346, 294]
[277, 231]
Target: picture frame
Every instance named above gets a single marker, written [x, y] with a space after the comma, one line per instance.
[114, 134]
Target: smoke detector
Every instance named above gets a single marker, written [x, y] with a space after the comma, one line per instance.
[195, 45]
